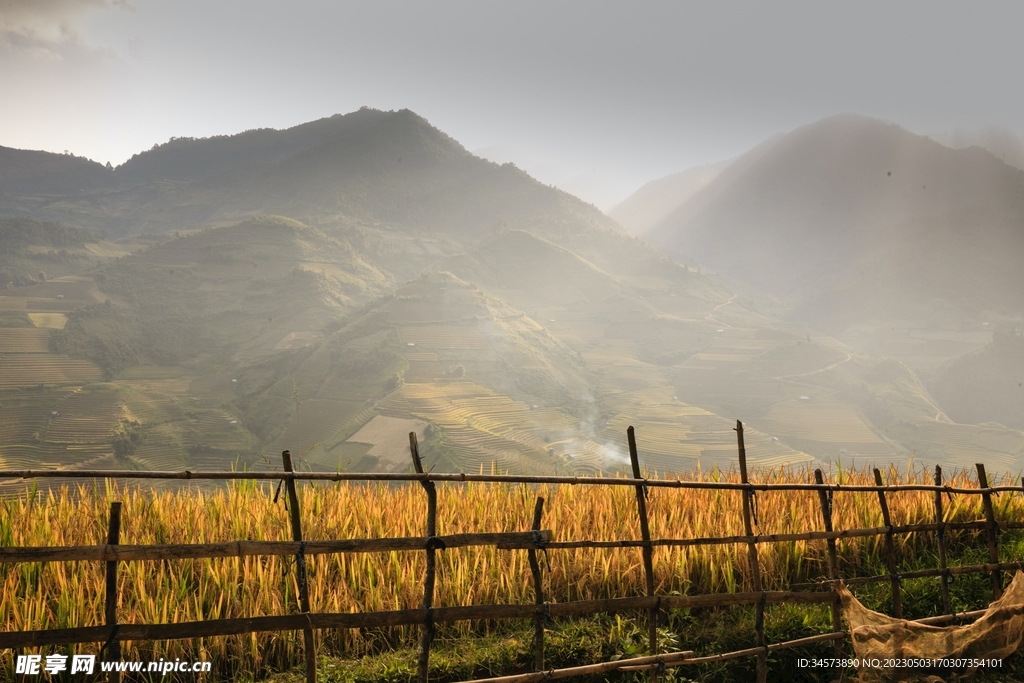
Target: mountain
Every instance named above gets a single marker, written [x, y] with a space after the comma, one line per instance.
[658, 199]
[332, 287]
[372, 167]
[1001, 142]
[850, 220]
[37, 176]
[986, 385]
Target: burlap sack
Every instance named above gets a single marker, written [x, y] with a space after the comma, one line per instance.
[936, 654]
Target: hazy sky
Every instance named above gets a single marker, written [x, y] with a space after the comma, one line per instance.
[595, 97]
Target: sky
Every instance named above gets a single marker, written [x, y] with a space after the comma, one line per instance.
[597, 98]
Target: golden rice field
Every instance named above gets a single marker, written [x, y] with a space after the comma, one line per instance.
[56, 595]
[52, 321]
[486, 427]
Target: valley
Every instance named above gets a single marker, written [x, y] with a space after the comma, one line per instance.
[513, 327]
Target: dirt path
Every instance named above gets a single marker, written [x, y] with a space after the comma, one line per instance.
[711, 316]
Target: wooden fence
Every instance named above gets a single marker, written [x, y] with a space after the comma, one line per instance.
[536, 538]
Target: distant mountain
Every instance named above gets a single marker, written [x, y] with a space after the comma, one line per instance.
[368, 167]
[1002, 142]
[32, 173]
[987, 385]
[658, 199]
[852, 219]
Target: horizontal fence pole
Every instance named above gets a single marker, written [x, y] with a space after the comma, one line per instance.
[669, 659]
[777, 538]
[298, 622]
[631, 664]
[491, 478]
[503, 541]
[915, 574]
[197, 551]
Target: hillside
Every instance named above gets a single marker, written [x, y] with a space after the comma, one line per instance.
[986, 385]
[1001, 142]
[38, 177]
[226, 293]
[658, 199]
[410, 286]
[850, 220]
[32, 251]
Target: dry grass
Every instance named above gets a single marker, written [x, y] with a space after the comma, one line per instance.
[56, 595]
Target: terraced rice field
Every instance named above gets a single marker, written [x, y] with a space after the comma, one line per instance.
[31, 369]
[388, 438]
[444, 336]
[161, 455]
[144, 374]
[321, 420]
[821, 421]
[425, 371]
[487, 428]
[24, 340]
[86, 416]
[69, 288]
[51, 321]
[963, 445]
[670, 444]
[219, 430]
[475, 451]
[47, 455]
[154, 408]
[20, 423]
[11, 303]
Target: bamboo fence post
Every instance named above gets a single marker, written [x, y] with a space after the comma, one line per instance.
[113, 538]
[427, 628]
[993, 532]
[825, 500]
[300, 562]
[755, 567]
[647, 549]
[540, 615]
[890, 550]
[941, 539]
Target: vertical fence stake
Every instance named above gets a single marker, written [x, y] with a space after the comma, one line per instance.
[427, 628]
[941, 539]
[540, 616]
[755, 567]
[300, 564]
[993, 532]
[825, 499]
[890, 550]
[645, 535]
[113, 538]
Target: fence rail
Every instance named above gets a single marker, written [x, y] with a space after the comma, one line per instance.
[536, 538]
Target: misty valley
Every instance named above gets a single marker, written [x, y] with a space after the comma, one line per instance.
[849, 290]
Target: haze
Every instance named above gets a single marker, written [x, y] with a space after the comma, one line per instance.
[598, 98]
[514, 229]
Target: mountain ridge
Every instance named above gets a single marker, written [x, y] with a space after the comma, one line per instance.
[851, 201]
